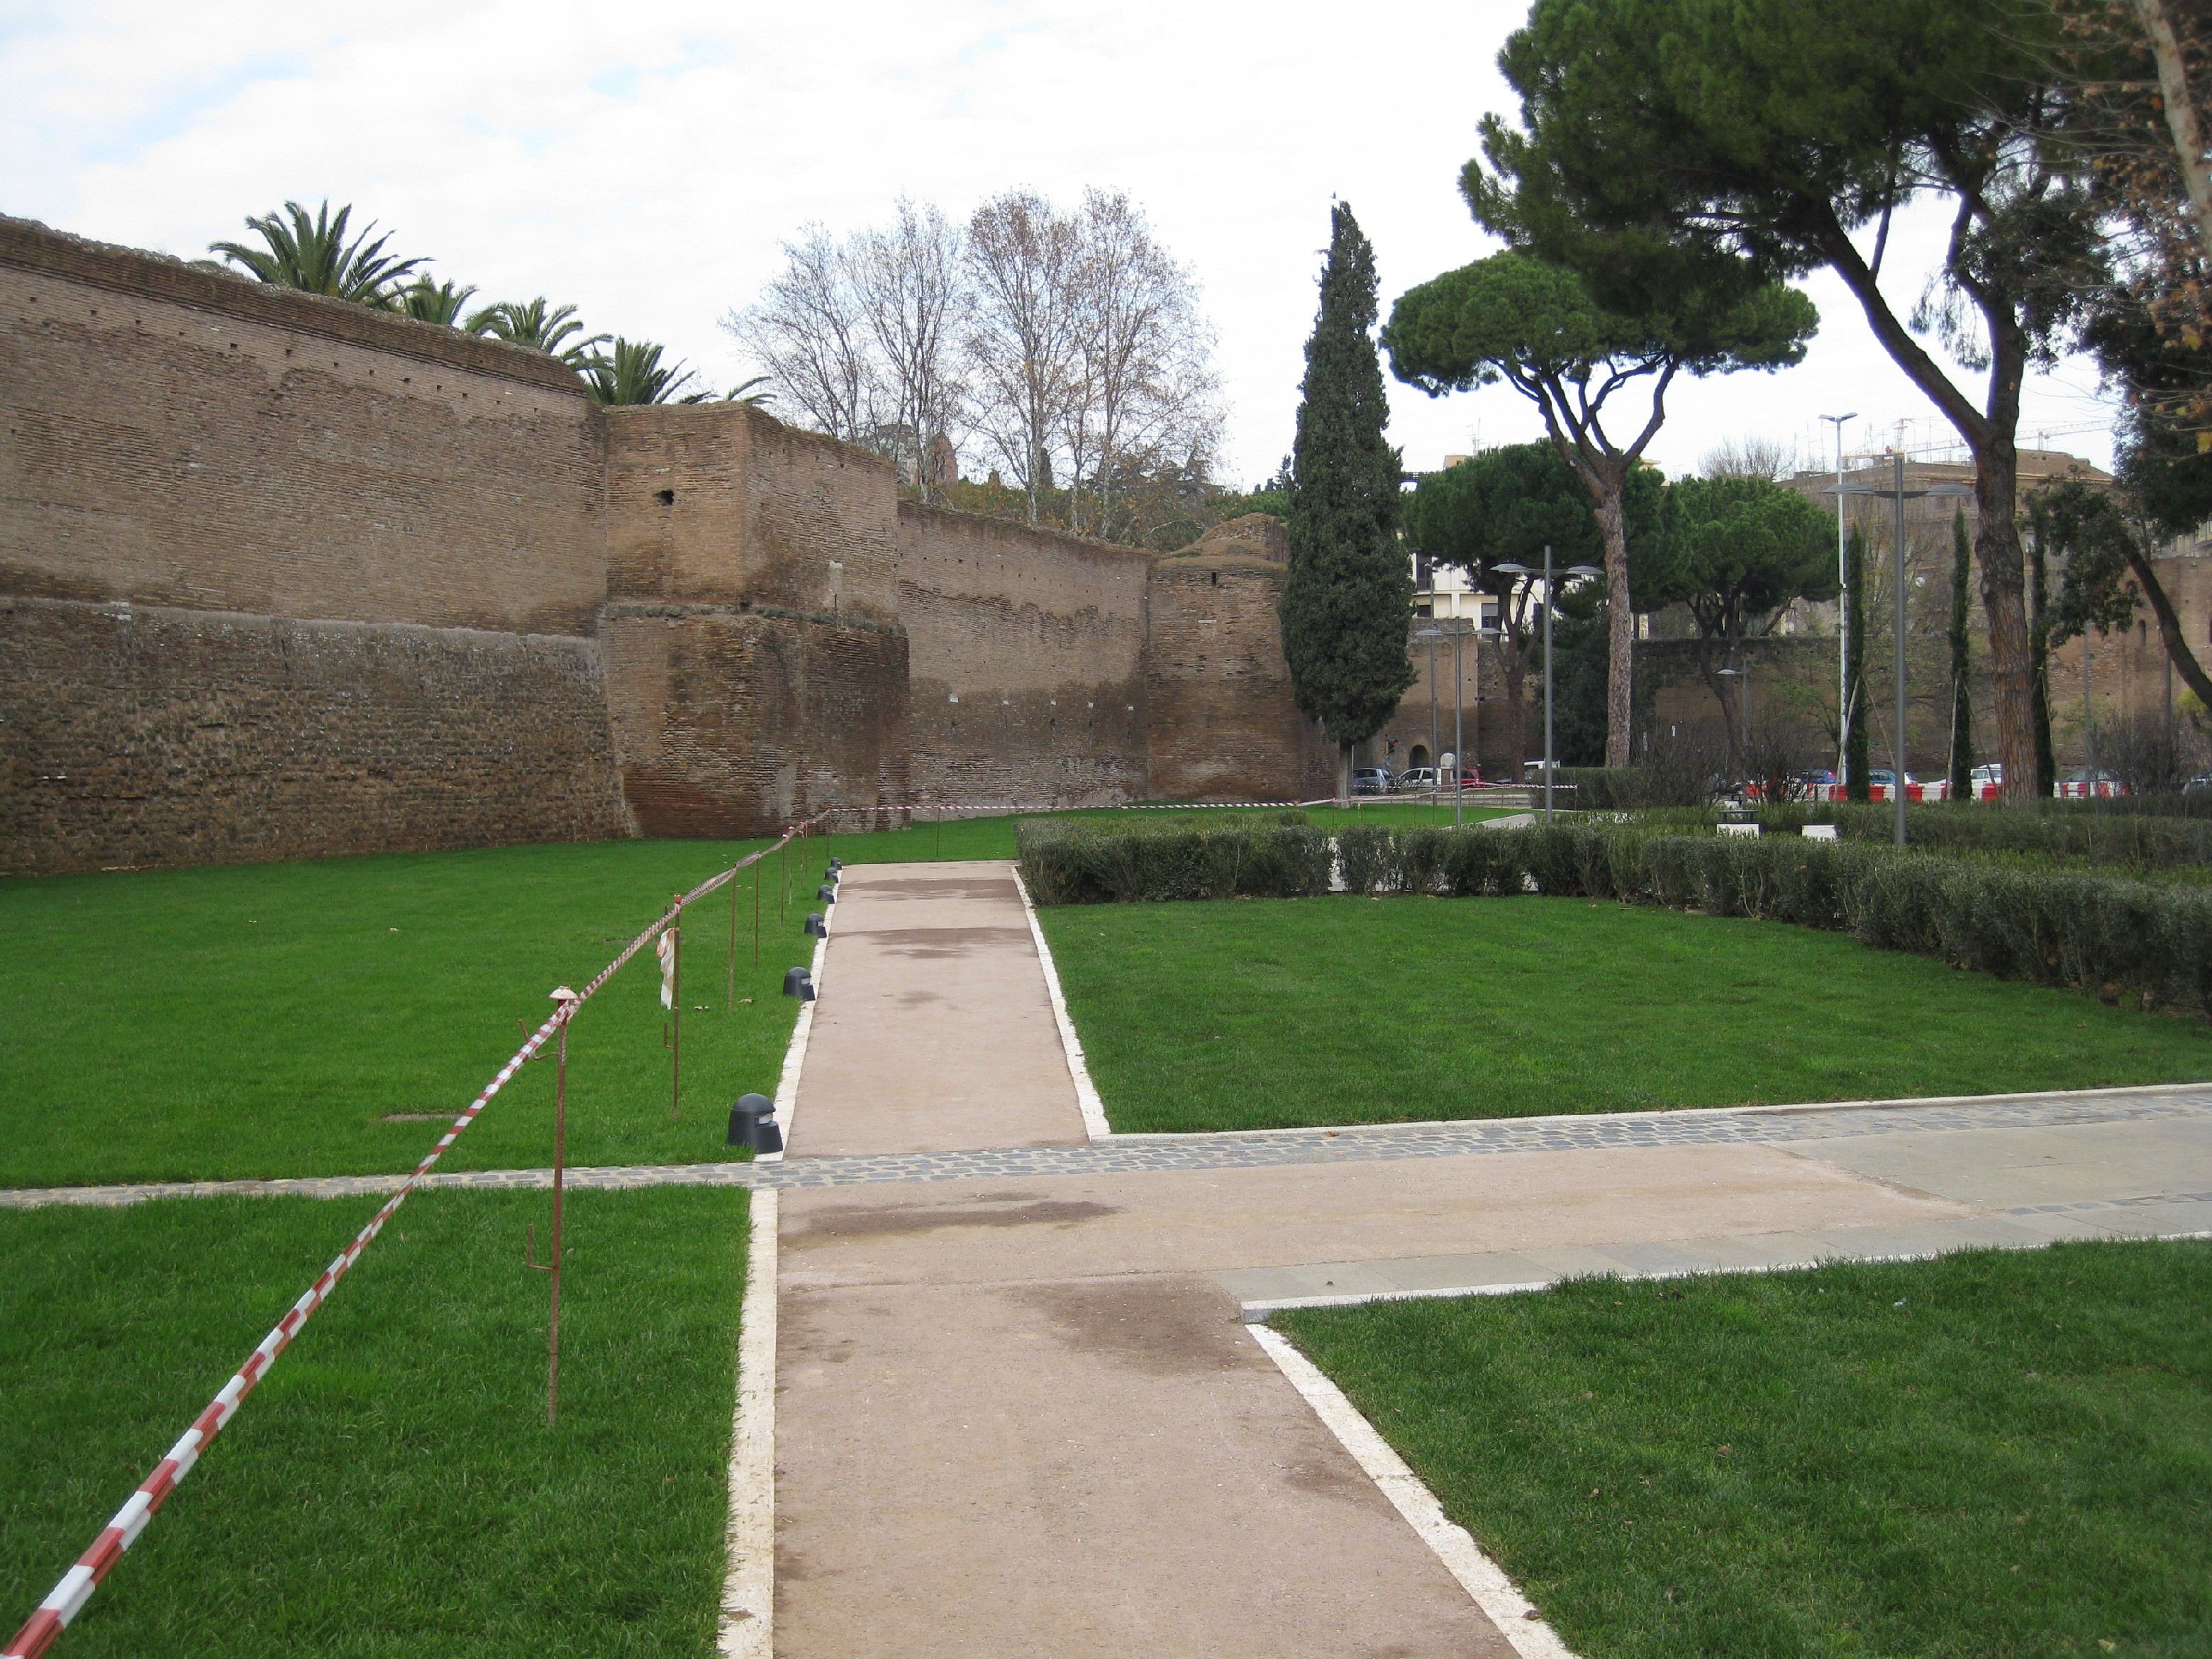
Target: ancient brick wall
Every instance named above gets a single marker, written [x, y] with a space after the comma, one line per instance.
[1026, 654]
[283, 577]
[1223, 724]
[176, 436]
[756, 667]
[140, 736]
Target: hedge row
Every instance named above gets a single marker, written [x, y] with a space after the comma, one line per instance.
[1076, 862]
[2142, 842]
[2096, 934]
[2090, 933]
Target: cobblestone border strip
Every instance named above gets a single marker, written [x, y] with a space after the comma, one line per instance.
[1139, 1154]
[1086, 1093]
[1500, 1598]
[747, 1629]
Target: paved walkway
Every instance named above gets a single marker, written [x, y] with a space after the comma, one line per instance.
[1015, 1410]
[938, 1035]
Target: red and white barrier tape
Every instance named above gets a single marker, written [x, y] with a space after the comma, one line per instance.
[67, 1598]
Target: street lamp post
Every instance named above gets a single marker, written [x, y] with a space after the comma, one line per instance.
[1842, 614]
[1741, 675]
[1900, 495]
[1453, 628]
[1582, 570]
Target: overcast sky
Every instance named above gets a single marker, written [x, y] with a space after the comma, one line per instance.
[645, 161]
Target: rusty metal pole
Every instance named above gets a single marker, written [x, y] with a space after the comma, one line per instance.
[730, 991]
[676, 1014]
[560, 1178]
[760, 866]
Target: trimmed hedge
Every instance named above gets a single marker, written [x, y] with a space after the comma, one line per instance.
[2142, 841]
[1077, 862]
[2097, 934]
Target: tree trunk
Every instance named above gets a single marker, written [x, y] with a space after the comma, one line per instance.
[2039, 659]
[2169, 625]
[2004, 600]
[1344, 775]
[1620, 626]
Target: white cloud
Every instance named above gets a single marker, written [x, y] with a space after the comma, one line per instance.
[645, 161]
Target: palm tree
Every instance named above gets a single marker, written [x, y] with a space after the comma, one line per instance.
[427, 302]
[632, 373]
[312, 254]
[539, 325]
[747, 391]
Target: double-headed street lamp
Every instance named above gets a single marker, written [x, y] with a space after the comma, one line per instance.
[1900, 495]
[1453, 628]
[1580, 570]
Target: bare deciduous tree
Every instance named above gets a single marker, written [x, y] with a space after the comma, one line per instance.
[1142, 396]
[1025, 335]
[914, 297]
[1072, 345]
[1752, 456]
[810, 331]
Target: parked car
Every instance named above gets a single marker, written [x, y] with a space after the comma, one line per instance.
[1370, 781]
[2084, 781]
[1988, 776]
[2198, 784]
[1416, 779]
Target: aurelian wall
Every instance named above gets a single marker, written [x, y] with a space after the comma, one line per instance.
[178, 437]
[1223, 724]
[283, 576]
[1026, 676]
[134, 735]
[756, 662]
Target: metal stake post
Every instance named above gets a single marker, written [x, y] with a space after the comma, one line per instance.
[676, 1013]
[730, 995]
[567, 999]
[757, 871]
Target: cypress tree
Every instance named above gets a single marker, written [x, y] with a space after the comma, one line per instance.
[1858, 753]
[1962, 707]
[1348, 595]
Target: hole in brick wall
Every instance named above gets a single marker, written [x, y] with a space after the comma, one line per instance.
[1213, 579]
[666, 498]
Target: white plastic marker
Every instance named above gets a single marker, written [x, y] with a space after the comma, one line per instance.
[67, 1598]
[1498, 1597]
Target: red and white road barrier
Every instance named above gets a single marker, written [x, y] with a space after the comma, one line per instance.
[67, 1599]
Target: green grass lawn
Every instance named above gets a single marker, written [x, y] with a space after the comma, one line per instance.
[1263, 1013]
[269, 1019]
[1994, 1454]
[393, 1487]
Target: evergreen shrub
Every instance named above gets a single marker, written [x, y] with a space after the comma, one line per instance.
[2098, 934]
[1077, 862]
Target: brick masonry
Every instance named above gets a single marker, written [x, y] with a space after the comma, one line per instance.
[284, 577]
[136, 736]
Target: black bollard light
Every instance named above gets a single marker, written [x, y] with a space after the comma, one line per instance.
[827, 893]
[816, 928]
[800, 983]
[753, 1124]
[837, 866]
